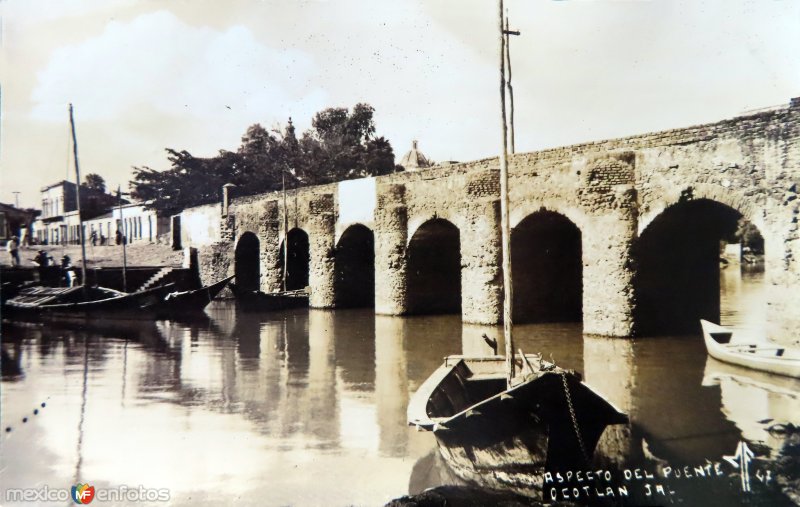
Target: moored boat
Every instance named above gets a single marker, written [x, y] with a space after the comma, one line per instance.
[184, 303]
[762, 356]
[503, 437]
[81, 302]
[502, 422]
[255, 301]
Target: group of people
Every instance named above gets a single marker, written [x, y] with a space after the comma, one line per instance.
[94, 237]
[45, 261]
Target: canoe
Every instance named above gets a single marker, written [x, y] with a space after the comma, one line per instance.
[257, 301]
[507, 438]
[762, 356]
[183, 303]
[81, 302]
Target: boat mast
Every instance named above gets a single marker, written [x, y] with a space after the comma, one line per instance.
[504, 220]
[124, 241]
[508, 33]
[78, 197]
[285, 230]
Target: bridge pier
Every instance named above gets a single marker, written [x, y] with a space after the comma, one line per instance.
[609, 199]
[322, 247]
[481, 272]
[269, 227]
[608, 276]
[391, 262]
[781, 254]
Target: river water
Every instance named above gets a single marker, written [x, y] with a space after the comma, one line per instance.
[308, 407]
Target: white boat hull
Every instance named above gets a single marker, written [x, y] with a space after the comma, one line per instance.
[764, 356]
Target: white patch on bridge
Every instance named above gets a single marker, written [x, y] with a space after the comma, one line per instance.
[356, 200]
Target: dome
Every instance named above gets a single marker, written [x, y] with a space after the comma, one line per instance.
[414, 159]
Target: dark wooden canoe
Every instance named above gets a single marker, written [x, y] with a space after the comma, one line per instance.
[257, 301]
[507, 438]
[81, 302]
[183, 303]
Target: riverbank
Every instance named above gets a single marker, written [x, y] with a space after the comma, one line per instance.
[138, 254]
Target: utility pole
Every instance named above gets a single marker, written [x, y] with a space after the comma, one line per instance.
[16, 199]
[508, 33]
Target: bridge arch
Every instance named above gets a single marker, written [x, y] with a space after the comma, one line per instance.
[547, 268]
[417, 220]
[354, 266]
[433, 283]
[746, 206]
[298, 259]
[247, 262]
[677, 265]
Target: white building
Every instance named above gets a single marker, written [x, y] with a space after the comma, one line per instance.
[134, 222]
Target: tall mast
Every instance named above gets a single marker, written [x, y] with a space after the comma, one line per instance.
[124, 241]
[504, 220]
[78, 197]
[285, 230]
[508, 34]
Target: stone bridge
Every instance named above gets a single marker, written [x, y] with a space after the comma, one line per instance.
[623, 235]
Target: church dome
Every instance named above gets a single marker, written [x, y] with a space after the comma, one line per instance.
[414, 159]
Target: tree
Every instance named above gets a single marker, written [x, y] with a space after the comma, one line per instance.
[749, 236]
[340, 145]
[95, 182]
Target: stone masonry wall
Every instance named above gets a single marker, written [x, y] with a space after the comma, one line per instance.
[611, 190]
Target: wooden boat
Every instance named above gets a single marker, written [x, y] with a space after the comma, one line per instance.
[762, 356]
[183, 303]
[82, 302]
[502, 422]
[254, 301]
[504, 437]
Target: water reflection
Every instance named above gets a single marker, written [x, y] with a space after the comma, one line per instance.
[755, 402]
[309, 407]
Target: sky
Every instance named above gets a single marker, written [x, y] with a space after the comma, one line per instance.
[145, 75]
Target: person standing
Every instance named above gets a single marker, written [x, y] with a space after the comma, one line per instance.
[12, 246]
[68, 271]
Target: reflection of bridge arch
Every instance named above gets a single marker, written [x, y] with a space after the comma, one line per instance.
[677, 278]
[354, 282]
[297, 267]
[247, 262]
[434, 268]
[547, 269]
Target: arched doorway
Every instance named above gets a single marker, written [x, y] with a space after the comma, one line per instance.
[434, 269]
[547, 269]
[678, 261]
[247, 264]
[354, 282]
[297, 267]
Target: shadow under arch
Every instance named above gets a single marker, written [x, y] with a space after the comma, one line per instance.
[434, 269]
[247, 262]
[547, 269]
[298, 265]
[354, 282]
[677, 267]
